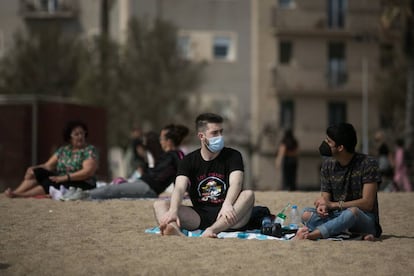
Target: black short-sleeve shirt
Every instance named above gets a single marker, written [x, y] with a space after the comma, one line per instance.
[209, 180]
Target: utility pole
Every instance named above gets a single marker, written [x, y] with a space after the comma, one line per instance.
[104, 43]
[365, 39]
[365, 138]
[409, 51]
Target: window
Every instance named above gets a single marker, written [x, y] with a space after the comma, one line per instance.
[336, 64]
[184, 46]
[210, 46]
[286, 114]
[223, 48]
[50, 6]
[34, 9]
[336, 13]
[336, 112]
[285, 4]
[285, 52]
[225, 105]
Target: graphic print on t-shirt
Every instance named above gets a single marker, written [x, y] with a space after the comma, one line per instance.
[212, 189]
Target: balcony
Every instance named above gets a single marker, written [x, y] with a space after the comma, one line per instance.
[295, 20]
[49, 9]
[310, 18]
[293, 81]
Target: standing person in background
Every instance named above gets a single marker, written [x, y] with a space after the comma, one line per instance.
[400, 167]
[384, 162]
[287, 158]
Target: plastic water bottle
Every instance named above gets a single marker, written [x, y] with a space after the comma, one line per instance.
[266, 226]
[295, 220]
[266, 221]
[281, 217]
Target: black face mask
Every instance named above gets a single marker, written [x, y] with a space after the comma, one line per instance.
[325, 149]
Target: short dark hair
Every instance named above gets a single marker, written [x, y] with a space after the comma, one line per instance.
[399, 142]
[203, 119]
[343, 134]
[67, 130]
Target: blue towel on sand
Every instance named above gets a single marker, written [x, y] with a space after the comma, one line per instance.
[247, 235]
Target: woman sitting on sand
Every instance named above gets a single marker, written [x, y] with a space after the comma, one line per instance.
[148, 150]
[154, 180]
[74, 164]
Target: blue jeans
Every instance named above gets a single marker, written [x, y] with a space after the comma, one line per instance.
[340, 221]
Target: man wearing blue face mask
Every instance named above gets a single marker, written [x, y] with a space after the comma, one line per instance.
[349, 184]
[213, 176]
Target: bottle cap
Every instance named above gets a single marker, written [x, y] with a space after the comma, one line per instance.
[281, 215]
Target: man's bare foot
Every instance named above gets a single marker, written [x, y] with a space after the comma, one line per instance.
[208, 233]
[9, 193]
[369, 237]
[172, 230]
[302, 233]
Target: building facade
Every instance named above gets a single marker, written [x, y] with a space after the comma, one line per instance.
[271, 65]
[317, 68]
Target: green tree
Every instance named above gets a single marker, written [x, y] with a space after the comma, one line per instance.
[397, 83]
[398, 29]
[153, 77]
[44, 62]
[144, 80]
[147, 80]
[98, 86]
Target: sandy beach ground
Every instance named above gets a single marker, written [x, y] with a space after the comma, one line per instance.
[46, 237]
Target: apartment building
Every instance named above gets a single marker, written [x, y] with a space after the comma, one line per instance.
[318, 68]
[219, 34]
[271, 65]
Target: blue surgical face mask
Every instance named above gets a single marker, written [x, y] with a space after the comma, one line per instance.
[215, 144]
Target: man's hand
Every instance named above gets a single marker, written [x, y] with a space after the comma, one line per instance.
[169, 217]
[322, 206]
[228, 213]
[58, 179]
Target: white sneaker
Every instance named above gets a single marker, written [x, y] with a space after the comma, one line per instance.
[77, 195]
[134, 177]
[63, 189]
[54, 193]
[68, 193]
[101, 184]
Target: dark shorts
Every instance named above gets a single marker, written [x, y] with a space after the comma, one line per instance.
[42, 177]
[208, 215]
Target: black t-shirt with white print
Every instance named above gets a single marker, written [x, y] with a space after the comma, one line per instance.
[209, 180]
